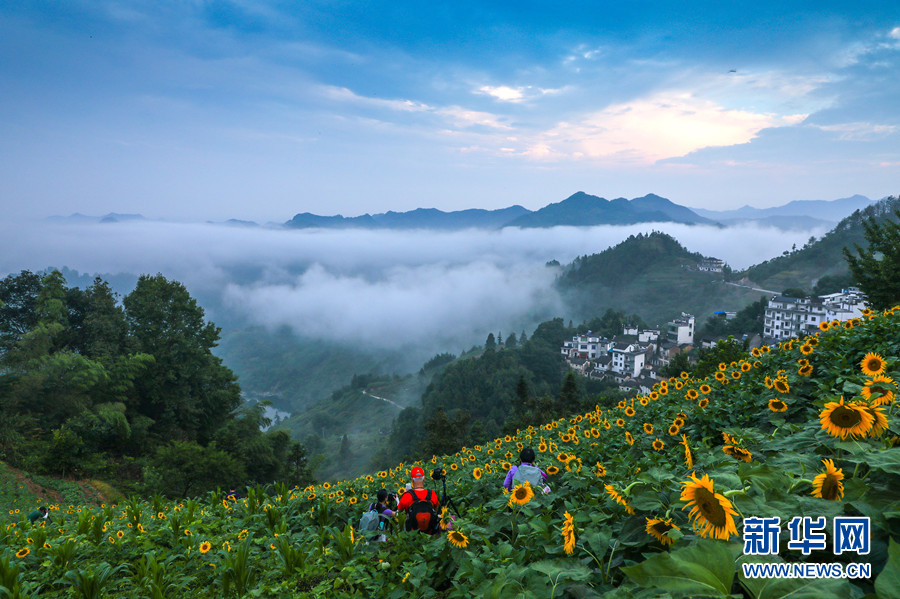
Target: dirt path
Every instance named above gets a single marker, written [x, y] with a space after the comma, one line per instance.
[384, 399]
[42, 492]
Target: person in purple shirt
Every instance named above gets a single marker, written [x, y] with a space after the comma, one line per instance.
[385, 513]
[526, 470]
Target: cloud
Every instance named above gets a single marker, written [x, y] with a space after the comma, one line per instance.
[390, 289]
[504, 93]
[647, 130]
[860, 131]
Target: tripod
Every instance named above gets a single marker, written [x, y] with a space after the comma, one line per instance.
[447, 499]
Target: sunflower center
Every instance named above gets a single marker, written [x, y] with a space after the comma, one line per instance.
[874, 364]
[844, 417]
[661, 528]
[830, 488]
[710, 508]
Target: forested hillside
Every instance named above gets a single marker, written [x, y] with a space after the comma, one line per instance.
[652, 275]
[824, 257]
[129, 391]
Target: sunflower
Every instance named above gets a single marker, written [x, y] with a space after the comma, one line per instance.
[839, 419]
[692, 394]
[565, 438]
[755, 352]
[738, 452]
[688, 458]
[674, 429]
[551, 470]
[644, 401]
[568, 533]
[805, 370]
[878, 387]
[476, 474]
[457, 539]
[679, 384]
[768, 382]
[629, 438]
[872, 364]
[629, 411]
[776, 405]
[736, 374]
[505, 465]
[828, 485]
[722, 365]
[711, 512]
[663, 390]
[542, 447]
[622, 403]
[654, 396]
[648, 428]
[657, 528]
[824, 325]
[599, 469]
[781, 385]
[620, 422]
[879, 420]
[611, 491]
[720, 376]
[563, 457]
[746, 366]
[205, 546]
[806, 349]
[703, 403]
[352, 500]
[704, 388]
[120, 534]
[23, 552]
[658, 444]
[521, 494]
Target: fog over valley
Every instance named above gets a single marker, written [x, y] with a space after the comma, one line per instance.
[385, 289]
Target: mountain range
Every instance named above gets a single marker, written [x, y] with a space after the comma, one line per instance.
[584, 210]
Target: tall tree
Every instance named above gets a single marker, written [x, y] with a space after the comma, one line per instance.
[877, 267]
[188, 393]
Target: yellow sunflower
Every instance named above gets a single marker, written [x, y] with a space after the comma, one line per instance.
[674, 429]
[521, 494]
[872, 364]
[457, 539]
[24, 551]
[617, 497]
[806, 349]
[781, 385]
[688, 458]
[720, 376]
[476, 474]
[703, 403]
[620, 422]
[692, 394]
[828, 485]
[735, 374]
[648, 428]
[824, 325]
[629, 438]
[658, 529]
[738, 452]
[599, 469]
[712, 514]
[879, 420]
[704, 388]
[629, 411]
[776, 405]
[205, 546]
[882, 388]
[551, 470]
[840, 420]
[568, 533]
[805, 370]
[658, 444]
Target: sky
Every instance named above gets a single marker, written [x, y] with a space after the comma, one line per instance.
[210, 110]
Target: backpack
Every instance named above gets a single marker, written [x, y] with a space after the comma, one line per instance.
[370, 520]
[531, 474]
[421, 515]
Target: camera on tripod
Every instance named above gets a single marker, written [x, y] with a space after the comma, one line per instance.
[438, 474]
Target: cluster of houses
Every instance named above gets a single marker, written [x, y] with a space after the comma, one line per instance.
[788, 317]
[633, 359]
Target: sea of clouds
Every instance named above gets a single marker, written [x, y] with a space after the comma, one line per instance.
[386, 289]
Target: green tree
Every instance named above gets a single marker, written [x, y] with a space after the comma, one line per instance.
[490, 342]
[187, 391]
[877, 267]
[187, 468]
[678, 364]
[511, 341]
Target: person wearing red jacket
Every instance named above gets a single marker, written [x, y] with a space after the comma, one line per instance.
[420, 504]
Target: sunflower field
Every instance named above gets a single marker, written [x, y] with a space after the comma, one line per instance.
[653, 497]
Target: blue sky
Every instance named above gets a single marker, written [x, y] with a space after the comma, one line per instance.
[259, 110]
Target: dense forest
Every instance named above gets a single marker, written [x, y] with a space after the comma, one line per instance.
[91, 386]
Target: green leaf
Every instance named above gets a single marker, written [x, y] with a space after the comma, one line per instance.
[887, 585]
[887, 460]
[705, 568]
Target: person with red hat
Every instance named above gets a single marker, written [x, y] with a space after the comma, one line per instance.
[420, 504]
